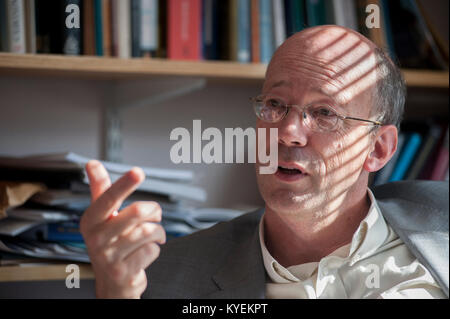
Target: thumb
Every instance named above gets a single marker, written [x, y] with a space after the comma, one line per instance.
[98, 178]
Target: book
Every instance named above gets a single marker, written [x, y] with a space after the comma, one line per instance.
[71, 30]
[411, 37]
[30, 26]
[266, 31]
[135, 28]
[279, 22]
[233, 30]
[210, 28]
[429, 143]
[436, 18]
[43, 25]
[15, 17]
[72, 160]
[376, 35]
[344, 12]
[149, 27]
[412, 144]
[239, 32]
[98, 22]
[107, 27]
[255, 25]
[121, 26]
[184, 29]
[4, 43]
[295, 13]
[244, 33]
[175, 191]
[161, 52]
[88, 28]
[441, 164]
[387, 29]
[435, 53]
[382, 176]
[316, 12]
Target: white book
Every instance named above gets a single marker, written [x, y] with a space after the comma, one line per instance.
[279, 22]
[175, 191]
[15, 11]
[149, 25]
[345, 13]
[30, 23]
[70, 159]
[121, 21]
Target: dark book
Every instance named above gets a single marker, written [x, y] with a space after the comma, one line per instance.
[411, 42]
[136, 28]
[71, 27]
[210, 28]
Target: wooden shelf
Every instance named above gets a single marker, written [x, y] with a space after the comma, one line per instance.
[115, 68]
[40, 273]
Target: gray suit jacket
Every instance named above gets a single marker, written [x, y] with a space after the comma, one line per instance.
[225, 261]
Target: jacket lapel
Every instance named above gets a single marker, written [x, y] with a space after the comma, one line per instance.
[423, 232]
[243, 275]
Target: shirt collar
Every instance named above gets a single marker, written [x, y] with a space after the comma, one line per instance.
[369, 236]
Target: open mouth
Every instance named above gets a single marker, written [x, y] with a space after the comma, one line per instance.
[289, 174]
[289, 171]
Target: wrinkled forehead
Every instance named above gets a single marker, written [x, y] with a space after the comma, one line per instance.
[335, 60]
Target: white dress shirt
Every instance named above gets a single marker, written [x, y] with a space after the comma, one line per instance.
[376, 264]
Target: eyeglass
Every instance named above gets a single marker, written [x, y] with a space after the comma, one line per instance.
[317, 116]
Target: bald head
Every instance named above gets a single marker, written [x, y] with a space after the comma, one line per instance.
[345, 64]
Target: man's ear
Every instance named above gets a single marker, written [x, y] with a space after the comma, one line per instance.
[384, 145]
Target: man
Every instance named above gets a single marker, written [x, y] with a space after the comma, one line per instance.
[337, 102]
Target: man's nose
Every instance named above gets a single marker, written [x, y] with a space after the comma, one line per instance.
[292, 130]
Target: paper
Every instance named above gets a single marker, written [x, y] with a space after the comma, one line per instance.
[14, 194]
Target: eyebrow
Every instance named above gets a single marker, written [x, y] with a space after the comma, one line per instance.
[280, 83]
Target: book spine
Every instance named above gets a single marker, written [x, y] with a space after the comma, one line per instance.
[98, 16]
[441, 164]
[210, 29]
[233, 30]
[406, 157]
[161, 51]
[243, 32]
[345, 13]
[15, 11]
[107, 27]
[135, 28]
[71, 29]
[279, 22]
[266, 44]
[184, 29]
[387, 28]
[256, 57]
[149, 23]
[4, 42]
[383, 175]
[425, 152]
[88, 28]
[316, 12]
[30, 21]
[122, 28]
[377, 35]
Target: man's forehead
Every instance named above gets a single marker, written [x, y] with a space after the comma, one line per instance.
[332, 60]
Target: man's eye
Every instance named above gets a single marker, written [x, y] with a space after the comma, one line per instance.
[324, 112]
[273, 103]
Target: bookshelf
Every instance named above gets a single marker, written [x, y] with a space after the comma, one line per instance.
[41, 272]
[138, 68]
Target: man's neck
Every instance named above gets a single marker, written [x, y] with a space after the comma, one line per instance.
[294, 241]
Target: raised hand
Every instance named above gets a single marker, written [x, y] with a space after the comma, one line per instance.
[120, 244]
